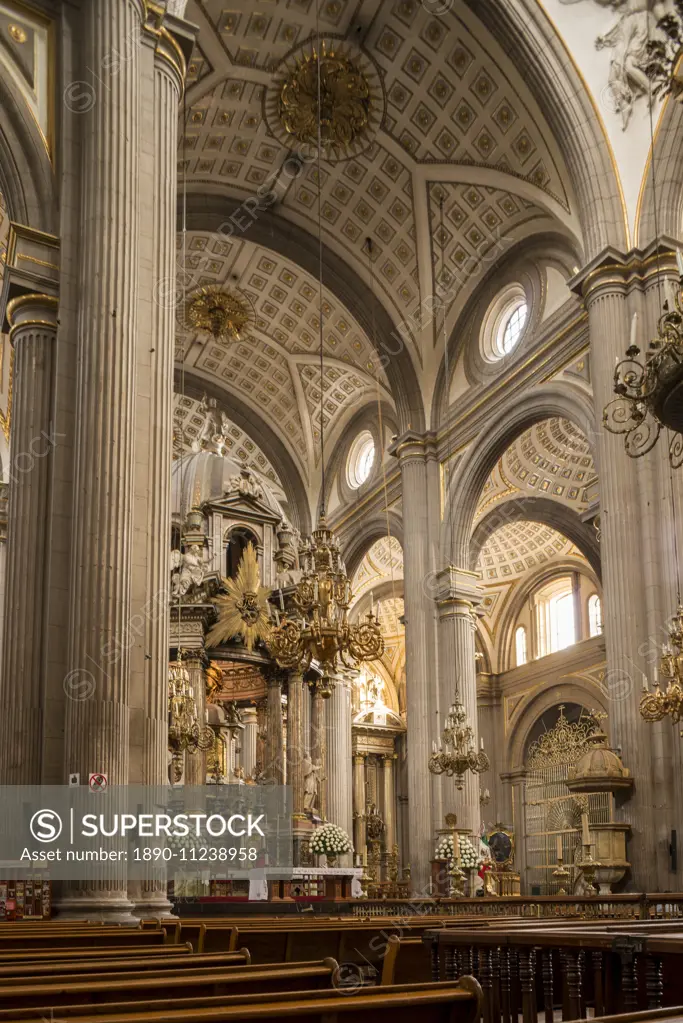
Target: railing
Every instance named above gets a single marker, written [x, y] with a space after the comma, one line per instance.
[613, 907]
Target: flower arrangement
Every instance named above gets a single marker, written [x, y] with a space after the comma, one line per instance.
[469, 858]
[330, 840]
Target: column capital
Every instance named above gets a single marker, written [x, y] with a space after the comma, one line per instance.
[615, 272]
[388, 758]
[412, 446]
[35, 309]
[359, 758]
[457, 590]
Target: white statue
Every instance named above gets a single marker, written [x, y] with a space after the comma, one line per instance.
[187, 570]
[311, 773]
[628, 39]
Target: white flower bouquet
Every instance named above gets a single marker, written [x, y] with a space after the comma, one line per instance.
[469, 858]
[330, 840]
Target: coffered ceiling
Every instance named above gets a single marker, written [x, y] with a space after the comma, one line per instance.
[450, 117]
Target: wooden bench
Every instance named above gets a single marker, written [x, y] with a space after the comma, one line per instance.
[187, 984]
[430, 1003]
[131, 968]
[43, 955]
[26, 939]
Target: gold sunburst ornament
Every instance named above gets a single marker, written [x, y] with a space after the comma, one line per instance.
[224, 314]
[243, 610]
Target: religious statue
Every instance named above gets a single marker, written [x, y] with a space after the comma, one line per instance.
[187, 571]
[628, 40]
[311, 774]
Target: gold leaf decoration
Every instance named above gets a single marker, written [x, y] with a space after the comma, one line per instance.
[243, 610]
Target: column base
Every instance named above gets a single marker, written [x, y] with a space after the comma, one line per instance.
[96, 909]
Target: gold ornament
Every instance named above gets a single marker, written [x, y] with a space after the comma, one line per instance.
[185, 733]
[344, 109]
[223, 314]
[244, 608]
[563, 744]
[460, 754]
[657, 705]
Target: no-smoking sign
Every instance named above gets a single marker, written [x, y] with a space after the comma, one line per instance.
[97, 782]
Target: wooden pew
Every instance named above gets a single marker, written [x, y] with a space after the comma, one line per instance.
[430, 1003]
[130, 968]
[43, 955]
[173, 984]
[26, 940]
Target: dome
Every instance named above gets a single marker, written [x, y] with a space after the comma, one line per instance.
[202, 477]
[599, 769]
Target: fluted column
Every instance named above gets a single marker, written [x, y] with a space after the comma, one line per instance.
[319, 743]
[625, 620]
[249, 737]
[295, 752]
[457, 596]
[389, 801]
[306, 719]
[359, 837]
[274, 732]
[339, 757]
[421, 700]
[97, 729]
[4, 496]
[33, 329]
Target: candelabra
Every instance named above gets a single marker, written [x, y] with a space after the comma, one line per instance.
[185, 733]
[561, 874]
[460, 754]
[650, 389]
[657, 704]
[589, 866]
[322, 632]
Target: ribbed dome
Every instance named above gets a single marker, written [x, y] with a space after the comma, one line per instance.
[205, 476]
[599, 769]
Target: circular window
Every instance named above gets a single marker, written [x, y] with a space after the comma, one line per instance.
[504, 323]
[361, 459]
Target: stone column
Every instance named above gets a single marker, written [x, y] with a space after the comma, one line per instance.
[422, 708]
[4, 495]
[249, 737]
[195, 763]
[295, 778]
[340, 757]
[605, 289]
[457, 597]
[359, 807]
[274, 734]
[306, 719]
[319, 743]
[33, 328]
[389, 801]
[97, 729]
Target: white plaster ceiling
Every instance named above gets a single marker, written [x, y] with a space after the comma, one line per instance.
[381, 564]
[458, 120]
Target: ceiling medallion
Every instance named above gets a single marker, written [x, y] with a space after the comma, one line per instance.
[351, 101]
[223, 313]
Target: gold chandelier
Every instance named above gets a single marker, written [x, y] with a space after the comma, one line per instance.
[460, 754]
[659, 704]
[185, 733]
[224, 314]
[321, 631]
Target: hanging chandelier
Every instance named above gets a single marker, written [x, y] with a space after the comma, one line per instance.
[658, 704]
[460, 754]
[321, 631]
[225, 314]
[185, 733]
[649, 388]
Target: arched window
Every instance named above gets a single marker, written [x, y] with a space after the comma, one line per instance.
[237, 541]
[361, 460]
[555, 611]
[520, 645]
[594, 615]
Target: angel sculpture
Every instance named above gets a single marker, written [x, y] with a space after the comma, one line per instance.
[311, 773]
[187, 571]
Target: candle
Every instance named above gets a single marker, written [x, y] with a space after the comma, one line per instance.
[456, 847]
[634, 328]
[679, 262]
[655, 674]
[433, 746]
[558, 841]
[481, 742]
[282, 601]
[585, 833]
[645, 685]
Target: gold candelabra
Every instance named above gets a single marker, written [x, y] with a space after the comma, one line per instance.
[660, 703]
[185, 732]
[460, 754]
[561, 875]
[322, 632]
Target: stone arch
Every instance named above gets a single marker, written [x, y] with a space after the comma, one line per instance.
[669, 178]
[273, 448]
[206, 212]
[576, 690]
[355, 547]
[26, 176]
[524, 29]
[545, 402]
[545, 511]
